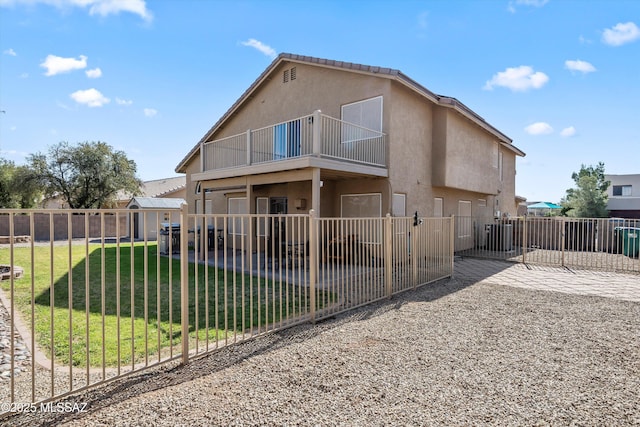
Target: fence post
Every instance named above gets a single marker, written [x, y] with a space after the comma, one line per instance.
[524, 240]
[414, 256]
[388, 255]
[452, 240]
[184, 282]
[563, 239]
[313, 264]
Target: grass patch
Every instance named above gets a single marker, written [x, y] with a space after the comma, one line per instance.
[86, 294]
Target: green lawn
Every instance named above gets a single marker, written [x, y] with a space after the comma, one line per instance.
[234, 305]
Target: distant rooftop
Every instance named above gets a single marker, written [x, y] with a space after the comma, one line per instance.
[158, 187]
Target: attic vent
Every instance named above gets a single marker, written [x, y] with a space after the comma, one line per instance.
[289, 74]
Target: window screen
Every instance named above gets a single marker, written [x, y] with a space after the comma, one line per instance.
[367, 113]
[361, 205]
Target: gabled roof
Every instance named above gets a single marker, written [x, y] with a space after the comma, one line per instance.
[156, 203]
[157, 187]
[160, 187]
[389, 73]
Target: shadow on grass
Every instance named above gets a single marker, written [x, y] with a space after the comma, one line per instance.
[174, 374]
[135, 296]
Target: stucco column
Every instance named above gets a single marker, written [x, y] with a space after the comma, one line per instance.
[249, 238]
[203, 223]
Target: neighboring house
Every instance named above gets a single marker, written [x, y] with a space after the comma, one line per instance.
[624, 196]
[349, 140]
[166, 187]
[174, 187]
[150, 219]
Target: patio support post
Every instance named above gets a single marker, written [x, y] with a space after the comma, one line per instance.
[248, 235]
[317, 133]
[203, 225]
[388, 255]
[184, 283]
[201, 157]
[315, 191]
[313, 263]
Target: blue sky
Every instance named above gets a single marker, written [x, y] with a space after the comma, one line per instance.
[561, 78]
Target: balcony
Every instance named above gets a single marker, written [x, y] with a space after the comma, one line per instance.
[315, 140]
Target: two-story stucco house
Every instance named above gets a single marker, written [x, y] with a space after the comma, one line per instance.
[349, 140]
[624, 195]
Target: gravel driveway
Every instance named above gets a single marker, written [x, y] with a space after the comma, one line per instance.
[452, 353]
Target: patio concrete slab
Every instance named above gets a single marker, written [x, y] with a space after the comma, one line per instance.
[556, 279]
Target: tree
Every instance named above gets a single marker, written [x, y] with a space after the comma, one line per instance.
[589, 198]
[87, 175]
[18, 186]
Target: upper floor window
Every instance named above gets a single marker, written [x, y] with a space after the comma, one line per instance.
[366, 113]
[622, 190]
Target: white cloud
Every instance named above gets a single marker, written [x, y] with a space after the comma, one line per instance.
[96, 7]
[94, 74]
[10, 52]
[567, 132]
[123, 101]
[267, 50]
[518, 79]
[532, 3]
[57, 64]
[150, 112]
[539, 128]
[108, 7]
[578, 65]
[90, 97]
[621, 34]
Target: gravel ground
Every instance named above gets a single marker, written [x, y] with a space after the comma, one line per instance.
[452, 353]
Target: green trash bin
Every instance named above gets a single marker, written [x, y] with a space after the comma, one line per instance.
[630, 241]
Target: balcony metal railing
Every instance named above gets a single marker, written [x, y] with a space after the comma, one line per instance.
[300, 137]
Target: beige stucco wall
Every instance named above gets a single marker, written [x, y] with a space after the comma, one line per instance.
[315, 88]
[469, 156]
[410, 136]
[431, 147]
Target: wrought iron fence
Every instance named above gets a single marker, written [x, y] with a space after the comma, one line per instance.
[95, 303]
[611, 244]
